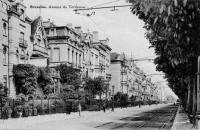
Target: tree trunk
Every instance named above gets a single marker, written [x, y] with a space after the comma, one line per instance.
[194, 105]
[191, 97]
[188, 97]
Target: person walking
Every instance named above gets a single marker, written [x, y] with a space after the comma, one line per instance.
[104, 107]
[79, 108]
[112, 106]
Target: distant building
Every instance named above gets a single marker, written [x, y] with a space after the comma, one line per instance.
[119, 74]
[129, 79]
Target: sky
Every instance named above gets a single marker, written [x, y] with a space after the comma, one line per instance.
[125, 30]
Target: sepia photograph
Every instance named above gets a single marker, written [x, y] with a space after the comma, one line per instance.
[99, 64]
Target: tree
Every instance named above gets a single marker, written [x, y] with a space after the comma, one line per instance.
[3, 95]
[69, 75]
[95, 86]
[25, 77]
[44, 80]
[121, 98]
[172, 30]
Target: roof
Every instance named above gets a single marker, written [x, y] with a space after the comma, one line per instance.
[48, 24]
[34, 26]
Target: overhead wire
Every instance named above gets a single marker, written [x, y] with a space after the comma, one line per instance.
[105, 3]
[95, 23]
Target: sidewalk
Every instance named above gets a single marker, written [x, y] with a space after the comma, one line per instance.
[87, 121]
[181, 121]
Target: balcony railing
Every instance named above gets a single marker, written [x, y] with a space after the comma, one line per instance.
[23, 43]
[54, 37]
[40, 49]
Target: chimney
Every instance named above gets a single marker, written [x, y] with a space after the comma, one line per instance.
[78, 29]
[95, 36]
[69, 25]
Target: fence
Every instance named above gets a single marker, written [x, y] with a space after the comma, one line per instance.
[14, 108]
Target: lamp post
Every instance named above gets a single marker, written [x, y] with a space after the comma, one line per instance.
[198, 94]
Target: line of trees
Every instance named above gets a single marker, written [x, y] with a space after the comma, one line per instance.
[172, 28]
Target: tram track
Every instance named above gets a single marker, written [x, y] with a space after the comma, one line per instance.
[161, 119]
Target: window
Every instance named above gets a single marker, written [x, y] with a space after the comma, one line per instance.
[79, 59]
[83, 56]
[4, 56]
[72, 57]
[56, 55]
[68, 54]
[21, 37]
[52, 32]
[5, 81]
[5, 29]
[22, 55]
[27, 56]
[76, 58]
[17, 56]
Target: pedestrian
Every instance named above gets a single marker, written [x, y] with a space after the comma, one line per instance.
[139, 104]
[112, 106]
[104, 107]
[79, 108]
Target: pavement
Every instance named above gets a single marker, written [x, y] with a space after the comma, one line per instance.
[87, 121]
[181, 121]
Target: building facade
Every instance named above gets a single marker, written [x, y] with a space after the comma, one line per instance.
[23, 41]
[64, 46]
[129, 79]
[4, 23]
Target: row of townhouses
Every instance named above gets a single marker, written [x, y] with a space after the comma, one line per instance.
[42, 43]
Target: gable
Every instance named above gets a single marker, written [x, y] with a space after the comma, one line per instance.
[38, 33]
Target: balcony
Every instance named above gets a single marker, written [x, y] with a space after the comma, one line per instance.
[76, 66]
[56, 63]
[23, 43]
[40, 50]
[55, 37]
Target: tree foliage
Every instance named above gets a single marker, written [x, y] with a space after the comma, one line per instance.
[95, 86]
[45, 80]
[25, 76]
[69, 75]
[172, 30]
[29, 77]
[3, 95]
